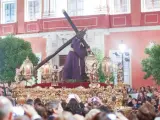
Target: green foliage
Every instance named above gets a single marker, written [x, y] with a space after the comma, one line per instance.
[99, 55]
[151, 65]
[13, 51]
[112, 77]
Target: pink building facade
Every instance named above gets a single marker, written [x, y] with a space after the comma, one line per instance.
[41, 22]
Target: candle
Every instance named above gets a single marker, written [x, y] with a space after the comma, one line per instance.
[46, 70]
[27, 70]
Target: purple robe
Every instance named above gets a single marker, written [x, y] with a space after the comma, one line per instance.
[74, 67]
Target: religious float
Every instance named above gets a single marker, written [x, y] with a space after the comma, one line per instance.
[50, 75]
[53, 87]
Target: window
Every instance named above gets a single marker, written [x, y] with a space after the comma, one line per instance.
[62, 59]
[32, 10]
[49, 8]
[8, 13]
[101, 7]
[150, 5]
[75, 7]
[120, 6]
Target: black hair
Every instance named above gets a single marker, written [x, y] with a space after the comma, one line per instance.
[74, 107]
[105, 109]
[29, 102]
[102, 116]
[37, 101]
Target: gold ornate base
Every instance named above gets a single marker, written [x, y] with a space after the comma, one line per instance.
[54, 84]
[94, 85]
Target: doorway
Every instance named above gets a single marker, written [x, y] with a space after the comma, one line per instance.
[125, 59]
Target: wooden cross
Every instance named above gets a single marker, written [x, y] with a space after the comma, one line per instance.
[79, 34]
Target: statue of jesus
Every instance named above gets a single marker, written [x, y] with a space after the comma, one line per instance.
[74, 68]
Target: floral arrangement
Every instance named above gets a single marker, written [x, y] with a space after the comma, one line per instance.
[49, 94]
[99, 56]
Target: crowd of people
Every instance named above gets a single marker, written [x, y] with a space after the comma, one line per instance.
[144, 103]
[144, 94]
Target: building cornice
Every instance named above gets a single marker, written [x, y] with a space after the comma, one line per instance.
[100, 31]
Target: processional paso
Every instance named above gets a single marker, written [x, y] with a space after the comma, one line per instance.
[74, 67]
[77, 66]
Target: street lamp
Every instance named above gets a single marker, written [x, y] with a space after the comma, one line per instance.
[122, 48]
[151, 44]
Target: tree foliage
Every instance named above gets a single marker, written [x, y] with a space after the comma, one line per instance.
[13, 51]
[151, 65]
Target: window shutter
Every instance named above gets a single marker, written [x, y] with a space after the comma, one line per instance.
[117, 6]
[149, 4]
[46, 7]
[52, 6]
[6, 12]
[12, 10]
[72, 7]
[36, 7]
[31, 9]
[124, 5]
[156, 4]
[120, 6]
[80, 6]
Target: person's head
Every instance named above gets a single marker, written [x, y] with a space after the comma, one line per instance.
[37, 102]
[148, 87]
[65, 116]
[6, 109]
[91, 114]
[63, 104]
[105, 116]
[22, 118]
[141, 94]
[155, 93]
[143, 89]
[129, 97]
[42, 112]
[30, 102]
[145, 94]
[78, 117]
[148, 99]
[134, 101]
[146, 112]
[54, 107]
[153, 101]
[132, 115]
[95, 102]
[87, 109]
[105, 109]
[74, 107]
